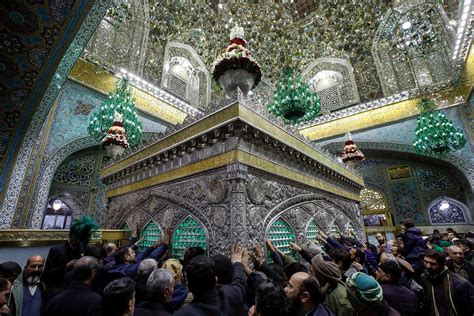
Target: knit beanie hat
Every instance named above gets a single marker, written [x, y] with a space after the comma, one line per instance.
[445, 243]
[328, 269]
[366, 287]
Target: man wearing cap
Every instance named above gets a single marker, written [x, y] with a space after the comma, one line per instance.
[397, 296]
[366, 296]
[329, 276]
[457, 264]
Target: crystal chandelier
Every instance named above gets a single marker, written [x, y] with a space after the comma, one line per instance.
[435, 134]
[415, 35]
[293, 101]
[117, 118]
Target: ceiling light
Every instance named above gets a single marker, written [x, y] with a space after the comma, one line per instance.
[406, 25]
[444, 205]
[57, 204]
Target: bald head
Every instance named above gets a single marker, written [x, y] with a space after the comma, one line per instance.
[37, 258]
[85, 268]
[294, 284]
[456, 254]
[33, 269]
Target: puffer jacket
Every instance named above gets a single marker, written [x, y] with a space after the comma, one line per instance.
[413, 245]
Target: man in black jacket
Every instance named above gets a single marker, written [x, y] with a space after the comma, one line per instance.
[212, 300]
[447, 293]
[397, 296]
[78, 299]
[160, 286]
[459, 265]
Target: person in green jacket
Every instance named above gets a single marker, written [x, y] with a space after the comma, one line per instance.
[329, 276]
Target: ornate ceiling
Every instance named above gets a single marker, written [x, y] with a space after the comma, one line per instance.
[34, 34]
[278, 34]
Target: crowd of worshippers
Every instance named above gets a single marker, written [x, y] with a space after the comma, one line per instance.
[409, 275]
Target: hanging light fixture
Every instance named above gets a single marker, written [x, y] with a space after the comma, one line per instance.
[415, 35]
[435, 134]
[57, 204]
[119, 101]
[444, 205]
[351, 155]
[293, 101]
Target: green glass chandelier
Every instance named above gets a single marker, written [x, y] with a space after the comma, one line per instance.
[435, 134]
[120, 101]
[293, 101]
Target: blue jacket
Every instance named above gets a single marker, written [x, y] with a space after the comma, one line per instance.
[179, 296]
[130, 269]
[321, 310]
[401, 298]
[413, 245]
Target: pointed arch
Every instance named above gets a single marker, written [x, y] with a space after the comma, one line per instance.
[445, 210]
[190, 232]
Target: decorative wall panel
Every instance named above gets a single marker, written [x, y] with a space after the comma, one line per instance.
[216, 200]
[453, 212]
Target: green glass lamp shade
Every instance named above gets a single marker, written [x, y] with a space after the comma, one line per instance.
[435, 134]
[119, 101]
[293, 101]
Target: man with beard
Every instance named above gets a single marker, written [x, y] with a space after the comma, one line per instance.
[28, 290]
[304, 294]
[381, 240]
[447, 293]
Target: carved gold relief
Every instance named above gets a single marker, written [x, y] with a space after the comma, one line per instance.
[100, 80]
[228, 158]
[31, 236]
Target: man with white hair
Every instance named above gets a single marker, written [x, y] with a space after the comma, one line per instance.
[145, 268]
[457, 264]
[28, 290]
[160, 286]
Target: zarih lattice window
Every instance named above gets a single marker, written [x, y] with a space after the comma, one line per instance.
[281, 234]
[151, 234]
[335, 230]
[312, 231]
[371, 201]
[190, 233]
